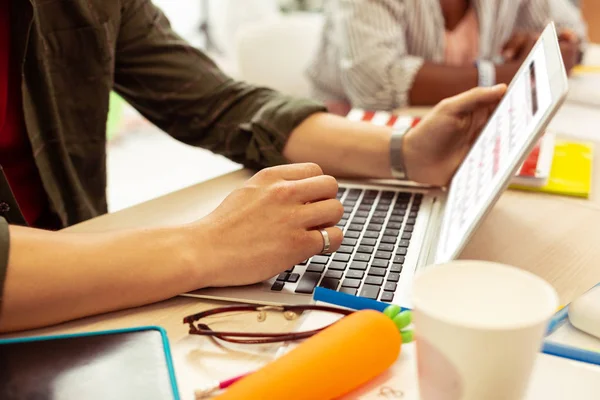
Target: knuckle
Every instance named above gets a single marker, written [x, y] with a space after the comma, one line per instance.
[445, 103]
[267, 173]
[282, 191]
[289, 217]
[307, 241]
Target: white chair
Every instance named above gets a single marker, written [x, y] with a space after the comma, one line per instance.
[227, 16]
[275, 53]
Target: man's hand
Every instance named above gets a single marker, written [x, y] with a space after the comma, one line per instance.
[436, 147]
[269, 225]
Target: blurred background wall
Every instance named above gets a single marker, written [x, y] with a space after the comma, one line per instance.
[591, 12]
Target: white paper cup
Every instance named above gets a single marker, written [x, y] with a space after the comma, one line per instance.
[478, 329]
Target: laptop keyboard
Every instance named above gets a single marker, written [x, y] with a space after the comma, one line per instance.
[377, 226]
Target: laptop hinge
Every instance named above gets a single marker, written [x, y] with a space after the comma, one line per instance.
[430, 245]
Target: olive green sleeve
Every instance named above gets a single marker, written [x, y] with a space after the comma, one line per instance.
[4, 247]
[181, 90]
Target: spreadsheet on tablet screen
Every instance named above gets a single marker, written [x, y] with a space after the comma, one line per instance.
[503, 139]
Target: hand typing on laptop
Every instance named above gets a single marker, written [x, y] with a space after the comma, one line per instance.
[271, 223]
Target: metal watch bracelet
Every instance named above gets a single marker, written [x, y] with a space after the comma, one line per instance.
[397, 154]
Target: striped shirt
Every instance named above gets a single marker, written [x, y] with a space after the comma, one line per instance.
[371, 50]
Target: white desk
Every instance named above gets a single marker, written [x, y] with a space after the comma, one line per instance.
[554, 237]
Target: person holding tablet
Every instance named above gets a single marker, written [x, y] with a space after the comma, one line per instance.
[57, 68]
[386, 54]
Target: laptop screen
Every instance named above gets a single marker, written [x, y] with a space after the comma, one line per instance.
[502, 143]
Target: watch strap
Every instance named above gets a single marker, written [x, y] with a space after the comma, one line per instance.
[487, 73]
[397, 153]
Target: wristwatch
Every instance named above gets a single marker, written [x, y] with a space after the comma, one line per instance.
[397, 154]
[487, 73]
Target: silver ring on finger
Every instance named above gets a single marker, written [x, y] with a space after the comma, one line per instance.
[326, 241]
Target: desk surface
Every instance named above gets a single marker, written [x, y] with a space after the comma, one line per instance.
[551, 236]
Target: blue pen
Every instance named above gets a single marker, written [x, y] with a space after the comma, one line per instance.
[349, 301]
[572, 353]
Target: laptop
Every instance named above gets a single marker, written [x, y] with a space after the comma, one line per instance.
[392, 232]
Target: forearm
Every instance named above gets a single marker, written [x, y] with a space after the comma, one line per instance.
[53, 277]
[436, 82]
[342, 148]
[181, 90]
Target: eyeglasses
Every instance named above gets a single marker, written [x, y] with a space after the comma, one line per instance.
[240, 314]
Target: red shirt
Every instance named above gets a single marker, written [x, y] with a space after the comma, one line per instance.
[16, 156]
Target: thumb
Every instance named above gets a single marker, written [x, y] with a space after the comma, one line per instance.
[475, 99]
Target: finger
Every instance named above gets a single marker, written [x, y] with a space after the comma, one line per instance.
[568, 48]
[569, 54]
[526, 48]
[475, 99]
[314, 189]
[322, 213]
[480, 119]
[568, 35]
[317, 243]
[512, 48]
[289, 172]
[512, 42]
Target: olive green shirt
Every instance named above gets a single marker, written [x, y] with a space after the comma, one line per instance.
[75, 52]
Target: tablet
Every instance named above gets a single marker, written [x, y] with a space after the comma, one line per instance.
[532, 99]
[124, 364]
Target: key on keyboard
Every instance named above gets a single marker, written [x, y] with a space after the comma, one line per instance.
[330, 283]
[308, 282]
